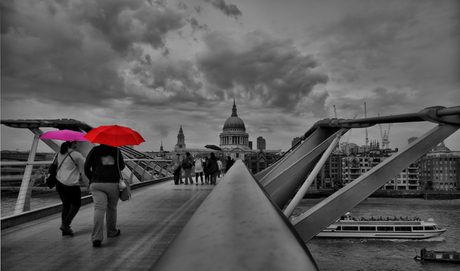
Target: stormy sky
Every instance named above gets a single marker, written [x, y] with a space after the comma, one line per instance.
[156, 65]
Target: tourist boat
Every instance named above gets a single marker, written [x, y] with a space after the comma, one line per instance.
[438, 256]
[349, 227]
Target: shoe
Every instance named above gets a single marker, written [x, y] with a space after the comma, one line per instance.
[118, 233]
[96, 243]
[197, 184]
[67, 233]
[66, 230]
[191, 182]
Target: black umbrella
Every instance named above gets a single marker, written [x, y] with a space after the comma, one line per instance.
[213, 147]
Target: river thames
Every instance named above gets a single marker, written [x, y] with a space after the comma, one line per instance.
[375, 254]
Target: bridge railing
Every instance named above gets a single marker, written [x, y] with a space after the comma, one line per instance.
[15, 173]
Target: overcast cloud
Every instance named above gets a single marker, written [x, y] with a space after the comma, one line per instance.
[157, 65]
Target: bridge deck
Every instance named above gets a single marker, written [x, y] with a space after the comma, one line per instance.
[148, 223]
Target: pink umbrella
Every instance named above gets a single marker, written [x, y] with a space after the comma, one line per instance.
[65, 135]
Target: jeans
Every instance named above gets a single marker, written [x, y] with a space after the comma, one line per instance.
[177, 175]
[71, 202]
[198, 174]
[214, 177]
[105, 197]
[188, 175]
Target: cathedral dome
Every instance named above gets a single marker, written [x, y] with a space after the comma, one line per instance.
[234, 122]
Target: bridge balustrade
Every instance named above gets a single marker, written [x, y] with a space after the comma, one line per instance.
[38, 169]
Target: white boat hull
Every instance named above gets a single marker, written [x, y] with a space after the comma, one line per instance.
[380, 235]
[388, 229]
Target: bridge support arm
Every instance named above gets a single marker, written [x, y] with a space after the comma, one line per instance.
[303, 189]
[24, 195]
[237, 228]
[326, 212]
[283, 181]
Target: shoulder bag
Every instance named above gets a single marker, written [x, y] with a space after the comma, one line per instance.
[125, 193]
[51, 179]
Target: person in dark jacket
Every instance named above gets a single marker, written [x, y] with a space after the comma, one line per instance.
[228, 163]
[213, 168]
[103, 168]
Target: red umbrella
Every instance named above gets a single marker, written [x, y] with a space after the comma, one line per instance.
[114, 135]
[65, 135]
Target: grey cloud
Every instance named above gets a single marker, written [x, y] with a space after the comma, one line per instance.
[196, 25]
[367, 38]
[378, 100]
[263, 68]
[124, 23]
[64, 55]
[198, 9]
[227, 9]
[161, 129]
[171, 81]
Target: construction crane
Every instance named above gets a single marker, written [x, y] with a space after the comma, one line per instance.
[365, 116]
[385, 136]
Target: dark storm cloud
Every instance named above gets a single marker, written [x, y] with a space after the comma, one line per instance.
[196, 25]
[124, 23]
[171, 81]
[72, 51]
[261, 68]
[227, 9]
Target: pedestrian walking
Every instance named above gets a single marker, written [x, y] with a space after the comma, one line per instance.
[177, 169]
[213, 168]
[219, 163]
[70, 174]
[199, 169]
[187, 164]
[228, 163]
[206, 170]
[103, 168]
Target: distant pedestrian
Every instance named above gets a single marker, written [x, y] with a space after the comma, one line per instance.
[219, 163]
[71, 170]
[213, 168]
[103, 167]
[177, 169]
[228, 163]
[206, 170]
[199, 169]
[187, 164]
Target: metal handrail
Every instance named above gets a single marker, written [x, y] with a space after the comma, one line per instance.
[237, 227]
[24, 198]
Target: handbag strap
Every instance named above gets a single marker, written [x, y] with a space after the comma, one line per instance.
[63, 161]
[72, 159]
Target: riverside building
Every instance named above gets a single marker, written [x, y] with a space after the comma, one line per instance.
[437, 170]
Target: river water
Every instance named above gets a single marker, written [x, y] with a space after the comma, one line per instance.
[375, 254]
[357, 254]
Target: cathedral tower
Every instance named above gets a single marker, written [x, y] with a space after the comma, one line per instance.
[180, 146]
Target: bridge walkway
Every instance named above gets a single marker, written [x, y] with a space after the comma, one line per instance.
[148, 223]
